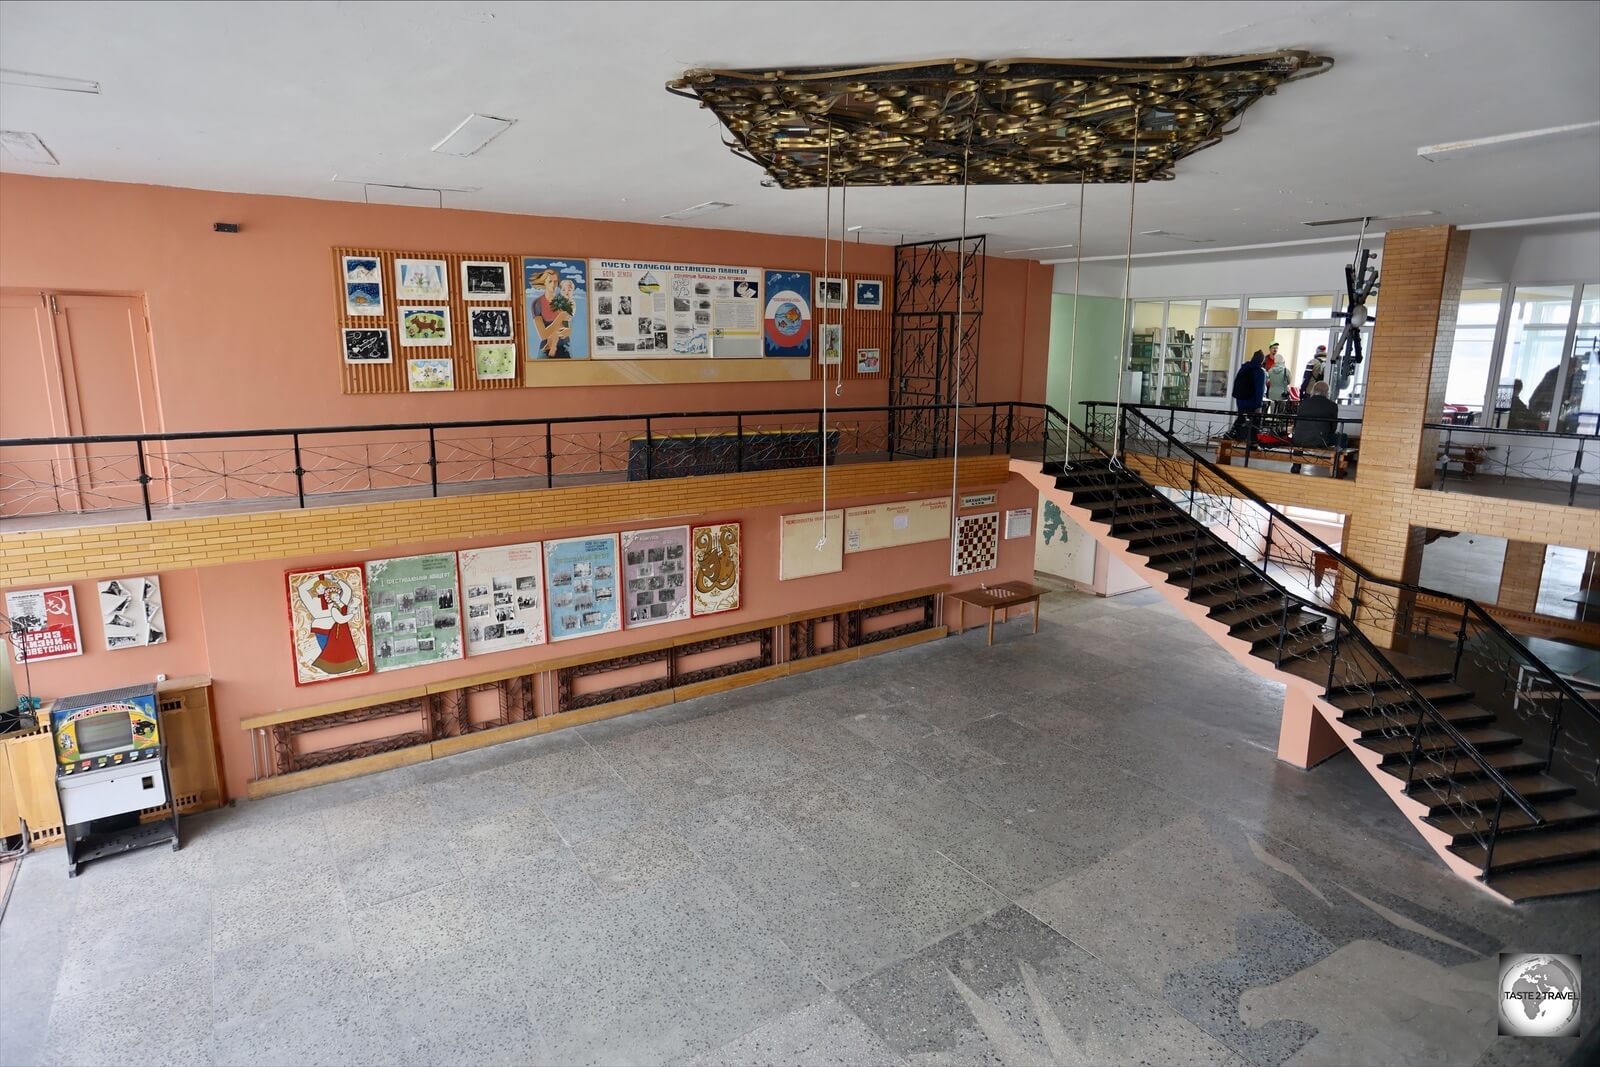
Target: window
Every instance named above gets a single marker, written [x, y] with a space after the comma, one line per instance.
[1580, 398]
[1472, 355]
[1536, 335]
[1222, 312]
[1290, 307]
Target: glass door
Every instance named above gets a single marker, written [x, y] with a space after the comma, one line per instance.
[1215, 370]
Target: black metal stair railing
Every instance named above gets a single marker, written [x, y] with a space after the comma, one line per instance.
[1331, 629]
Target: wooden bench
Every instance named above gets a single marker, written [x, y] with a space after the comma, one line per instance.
[1336, 460]
[435, 719]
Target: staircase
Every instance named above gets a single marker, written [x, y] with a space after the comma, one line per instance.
[1491, 755]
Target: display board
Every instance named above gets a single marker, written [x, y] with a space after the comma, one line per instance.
[645, 310]
[48, 621]
[976, 546]
[328, 634]
[130, 612]
[376, 287]
[503, 596]
[655, 570]
[717, 558]
[555, 307]
[908, 522]
[581, 573]
[861, 328]
[799, 553]
[416, 616]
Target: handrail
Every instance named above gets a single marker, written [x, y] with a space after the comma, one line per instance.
[1225, 413]
[1354, 630]
[1463, 427]
[1345, 561]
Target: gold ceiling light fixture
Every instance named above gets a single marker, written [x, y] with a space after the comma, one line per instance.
[1027, 121]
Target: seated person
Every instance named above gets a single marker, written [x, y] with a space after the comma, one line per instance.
[1316, 424]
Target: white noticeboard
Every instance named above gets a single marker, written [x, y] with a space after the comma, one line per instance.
[890, 525]
[1019, 523]
[799, 555]
[643, 310]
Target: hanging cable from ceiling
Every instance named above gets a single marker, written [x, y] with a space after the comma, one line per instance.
[821, 312]
[1123, 358]
[844, 287]
[961, 303]
[1072, 345]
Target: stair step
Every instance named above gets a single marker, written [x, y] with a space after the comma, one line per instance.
[1437, 693]
[1484, 739]
[1536, 847]
[1155, 531]
[1200, 542]
[1183, 564]
[1552, 881]
[1239, 597]
[1507, 761]
[1250, 613]
[1299, 623]
[1460, 715]
[1106, 488]
[1221, 578]
[1538, 788]
[1155, 505]
[1557, 814]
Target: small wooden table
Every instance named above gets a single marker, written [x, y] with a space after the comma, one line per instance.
[1005, 596]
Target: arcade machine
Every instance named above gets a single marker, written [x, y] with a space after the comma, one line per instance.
[110, 766]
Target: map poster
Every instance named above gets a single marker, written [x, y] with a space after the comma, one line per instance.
[415, 617]
[786, 323]
[48, 622]
[555, 304]
[502, 590]
[716, 557]
[632, 309]
[582, 576]
[328, 624]
[716, 311]
[655, 573]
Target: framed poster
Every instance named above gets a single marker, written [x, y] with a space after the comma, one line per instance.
[1019, 523]
[415, 619]
[976, 546]
[130, 612]
[502, 589]
[48, 621]
[868, 361]
[494, 361]
[908, 522]
[367, 345]
[632, 309]
[489, 323]
[582, 576]
[716, 311]
[485, 280]
[675, 310]
[832, 344]
[425, 327]
[716, 555]
[869, 295]
[831, 293]
[786, 325]
[420, 279]
[328, 633]
[430, 375]
[556, 306]
[363, 285]
[655, 573]
[810, 543]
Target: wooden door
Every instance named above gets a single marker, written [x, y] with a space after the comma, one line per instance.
[32, 404]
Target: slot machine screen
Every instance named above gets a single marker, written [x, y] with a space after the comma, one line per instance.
[104, 733]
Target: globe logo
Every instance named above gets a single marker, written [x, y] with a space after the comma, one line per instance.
[1540, 995]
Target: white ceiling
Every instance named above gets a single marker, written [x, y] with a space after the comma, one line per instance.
[279, 97]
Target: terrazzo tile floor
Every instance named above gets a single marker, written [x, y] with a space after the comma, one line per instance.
[1072, 848]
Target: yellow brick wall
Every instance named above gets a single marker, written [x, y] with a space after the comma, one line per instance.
[102, 551]
[1520, 575]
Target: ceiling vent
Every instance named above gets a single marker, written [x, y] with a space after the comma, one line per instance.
[472, 134]
[27, 147]
[696, 210]
[1182, 238]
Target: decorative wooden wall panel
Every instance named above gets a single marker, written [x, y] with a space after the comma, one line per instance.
[862, 329]
[391, 377]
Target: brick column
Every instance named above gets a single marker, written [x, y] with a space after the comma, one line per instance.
[1422, 270]
[1520, 575]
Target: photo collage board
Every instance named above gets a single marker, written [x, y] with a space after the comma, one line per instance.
[416, 617]
[450, 322]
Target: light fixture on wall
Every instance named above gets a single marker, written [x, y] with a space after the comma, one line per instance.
[1452, 150]
[31, 80]
[27, 147]
[1363, 220]
[473, 132]
[1182, 238]
[1021, 211]
[1036, 248]
[696, 210]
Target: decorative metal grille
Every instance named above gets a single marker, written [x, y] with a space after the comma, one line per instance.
[938, 314]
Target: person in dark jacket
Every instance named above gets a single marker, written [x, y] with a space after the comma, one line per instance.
[1249, 386]
[1316, 425]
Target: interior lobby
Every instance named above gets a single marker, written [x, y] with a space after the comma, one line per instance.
[1044, 533]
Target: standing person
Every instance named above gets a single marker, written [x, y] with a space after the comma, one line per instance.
[1249, 385]
[1316, 370]
[1277, 379]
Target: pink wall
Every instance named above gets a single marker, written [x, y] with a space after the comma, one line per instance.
[241, 637]
[243, 325]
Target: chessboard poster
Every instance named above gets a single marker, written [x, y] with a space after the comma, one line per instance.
[130, 612]
[581, 573]
[556, 306]
[977, 543]
[716, 557]
[655, 573]
[503, 597]
[415, 618]
[328, 624]
[47, 620]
